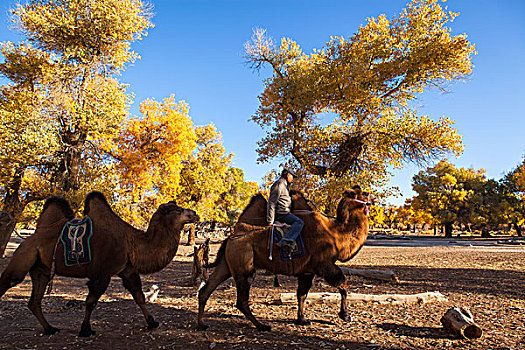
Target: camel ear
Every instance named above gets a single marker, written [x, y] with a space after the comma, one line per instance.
[349, 194]
[357, 189]
[163, 209]
[173, 202]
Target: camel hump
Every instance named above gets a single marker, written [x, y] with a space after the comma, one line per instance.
[61, 203]
[95, 195]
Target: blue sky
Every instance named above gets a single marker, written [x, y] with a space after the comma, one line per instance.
[195, 52]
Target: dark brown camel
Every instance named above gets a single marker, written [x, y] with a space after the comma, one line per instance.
[116, 248]
[326, 241]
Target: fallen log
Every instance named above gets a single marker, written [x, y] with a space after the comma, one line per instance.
[459, 321]
[383, 275]
[421, 298]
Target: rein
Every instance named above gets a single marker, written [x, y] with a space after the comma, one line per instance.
[318, 210]
[366, 203]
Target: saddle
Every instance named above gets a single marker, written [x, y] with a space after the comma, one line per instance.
[277, 232]
[75, 238]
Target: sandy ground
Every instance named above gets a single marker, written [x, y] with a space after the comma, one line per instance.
[488, 276]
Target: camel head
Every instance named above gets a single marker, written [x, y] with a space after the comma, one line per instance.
[300, 202]
[173, 215]
[353, 200]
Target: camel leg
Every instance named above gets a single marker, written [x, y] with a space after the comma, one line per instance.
[343, 313]
[133, 284]
[96, 289]
[336, 278]
[243, 296]
[304, 285]
[220, 274]
[40, 276]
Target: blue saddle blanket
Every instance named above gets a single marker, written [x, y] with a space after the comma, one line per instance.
[75, 237]
[298, 250]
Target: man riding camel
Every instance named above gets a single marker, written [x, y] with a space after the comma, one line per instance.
[279, 209]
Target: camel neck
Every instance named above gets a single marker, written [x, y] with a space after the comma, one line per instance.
[351, 235]
[155, 249]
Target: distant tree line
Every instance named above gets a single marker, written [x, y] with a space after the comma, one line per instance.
[448, 196]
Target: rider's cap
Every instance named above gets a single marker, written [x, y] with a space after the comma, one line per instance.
[286, 172]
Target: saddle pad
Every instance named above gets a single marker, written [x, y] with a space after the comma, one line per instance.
[75, 237]
[297, 252]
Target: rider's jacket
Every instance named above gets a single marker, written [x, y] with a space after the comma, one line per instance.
[280, 202]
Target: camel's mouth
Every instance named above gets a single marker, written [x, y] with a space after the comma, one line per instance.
[193, 217]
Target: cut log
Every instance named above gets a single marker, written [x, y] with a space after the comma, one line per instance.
[421, 298]
[459, 321]
[383, 275]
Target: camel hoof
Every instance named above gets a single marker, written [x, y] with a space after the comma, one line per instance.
[344, 316]
[202, 327]
[302, 322]
[153, 325]
[264, 328]
[86, 332]
[51, 331]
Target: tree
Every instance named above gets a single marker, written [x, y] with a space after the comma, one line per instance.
[364, 84]
[234, 199]
[203, 176]
[63, 97]
[409, 214]
[513, 190]
[149, 153]
[450, 194]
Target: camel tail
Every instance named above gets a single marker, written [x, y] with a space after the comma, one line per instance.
[220, 255]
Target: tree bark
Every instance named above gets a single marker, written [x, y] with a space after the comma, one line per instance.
[191, 234]
[518, 229]
[201, 256]
[448, 229]
[7, 226]
[12, 206]
[459, 321]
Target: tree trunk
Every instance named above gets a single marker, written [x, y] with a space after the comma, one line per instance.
[448, 229]
[435, 230]
[201, 255]
[518, 229]
[69, 166]
[6, 229]
[191, 235]
[459, 321]
[13, 207]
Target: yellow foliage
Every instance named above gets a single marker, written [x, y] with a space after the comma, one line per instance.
[365, 83]
[150, 149]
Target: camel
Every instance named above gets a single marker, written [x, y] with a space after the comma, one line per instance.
[326, 241]
[117, 249]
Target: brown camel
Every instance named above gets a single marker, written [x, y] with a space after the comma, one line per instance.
[326, 241]
[116, 248]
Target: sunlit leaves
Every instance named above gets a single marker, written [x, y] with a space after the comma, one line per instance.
[150, 149]
[86, 31]
[452, 194]
[365, 83]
